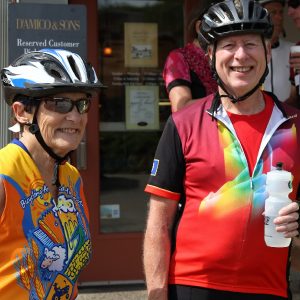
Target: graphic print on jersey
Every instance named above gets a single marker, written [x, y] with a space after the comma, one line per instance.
[56, 237]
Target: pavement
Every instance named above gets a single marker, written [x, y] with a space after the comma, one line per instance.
[138, 292]
[124, 292]
[295, 284]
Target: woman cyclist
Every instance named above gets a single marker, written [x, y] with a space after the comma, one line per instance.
[44, 221]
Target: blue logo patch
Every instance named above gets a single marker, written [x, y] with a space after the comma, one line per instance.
[154, 167]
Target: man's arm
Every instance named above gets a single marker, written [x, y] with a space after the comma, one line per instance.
[180, 96]
[157, 246]
[2, 197]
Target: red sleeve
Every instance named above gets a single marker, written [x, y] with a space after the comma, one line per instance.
[176, 68]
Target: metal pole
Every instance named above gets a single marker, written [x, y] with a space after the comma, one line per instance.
[4, 108]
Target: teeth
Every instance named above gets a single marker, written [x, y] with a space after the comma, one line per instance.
[68, 130]
[241, 69]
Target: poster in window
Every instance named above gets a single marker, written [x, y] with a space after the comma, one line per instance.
[142, 111]
[140, 41]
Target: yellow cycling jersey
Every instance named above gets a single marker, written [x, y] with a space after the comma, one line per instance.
[44, 242]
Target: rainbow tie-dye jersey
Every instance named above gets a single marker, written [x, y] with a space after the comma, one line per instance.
[44, 243]
[218, 241]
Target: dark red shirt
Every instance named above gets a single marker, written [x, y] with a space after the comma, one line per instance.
[189, 66]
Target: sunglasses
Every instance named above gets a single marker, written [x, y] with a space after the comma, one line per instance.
[294, 3]
[65, 105]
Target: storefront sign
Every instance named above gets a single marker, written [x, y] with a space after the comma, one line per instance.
[36, 26]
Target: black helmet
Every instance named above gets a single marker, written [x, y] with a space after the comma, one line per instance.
[47, 72]
[227, 18]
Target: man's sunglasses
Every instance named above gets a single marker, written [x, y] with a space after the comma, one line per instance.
[294, 3]
[65, 105]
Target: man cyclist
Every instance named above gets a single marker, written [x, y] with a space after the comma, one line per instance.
[204, 237]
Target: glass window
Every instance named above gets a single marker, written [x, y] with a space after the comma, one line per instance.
[135, 37]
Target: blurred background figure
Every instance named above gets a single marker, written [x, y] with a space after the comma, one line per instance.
[294, 13]
[277, 80]
[187, 72]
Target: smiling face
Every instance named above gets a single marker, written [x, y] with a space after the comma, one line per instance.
[62, 132]
[240, 62]
[294, 13]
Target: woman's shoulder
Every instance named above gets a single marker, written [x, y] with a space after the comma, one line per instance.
[8, 153]
[175, 54]
[70, 170]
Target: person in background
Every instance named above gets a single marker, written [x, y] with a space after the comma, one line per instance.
[294, 13]
[204, 238]
[187, 74]
[45, 240]
[277, 81]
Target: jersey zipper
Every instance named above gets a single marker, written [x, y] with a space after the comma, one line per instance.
[263, 144]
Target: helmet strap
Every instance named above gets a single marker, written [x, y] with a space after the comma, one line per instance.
[35, 130]
[222, 85]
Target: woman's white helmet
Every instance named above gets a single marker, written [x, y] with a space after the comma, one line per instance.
[47, 72]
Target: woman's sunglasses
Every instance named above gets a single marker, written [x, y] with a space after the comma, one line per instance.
[65, 105]
[294, 3]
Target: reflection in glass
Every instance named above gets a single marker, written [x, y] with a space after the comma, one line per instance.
[126, 155]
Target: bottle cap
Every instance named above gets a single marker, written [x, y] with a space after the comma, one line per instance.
[279, 179]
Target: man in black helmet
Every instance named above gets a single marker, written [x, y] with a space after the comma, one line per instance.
[204, 237]
[277, 81]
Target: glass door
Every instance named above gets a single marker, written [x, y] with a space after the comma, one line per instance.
[135, 37]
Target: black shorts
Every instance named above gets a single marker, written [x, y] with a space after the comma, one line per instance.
[183, 292]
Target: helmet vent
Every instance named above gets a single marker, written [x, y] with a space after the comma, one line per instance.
[55, 71]
[251, 10]
[263, 13]
[239, 9]
[90, 73]
[74, 66]
[227, 12]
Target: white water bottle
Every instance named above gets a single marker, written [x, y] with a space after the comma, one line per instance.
[278, 186]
